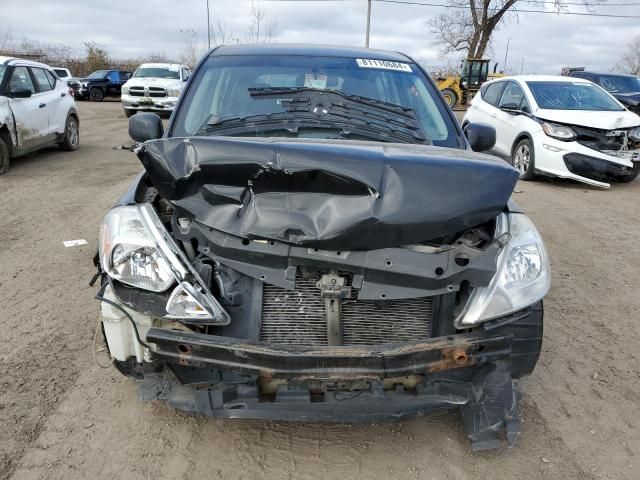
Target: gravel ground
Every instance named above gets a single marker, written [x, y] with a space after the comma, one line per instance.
[63, 417]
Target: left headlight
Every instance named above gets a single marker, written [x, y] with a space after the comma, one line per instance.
[635, 134]
[173, 92]
[559, 132]
[135, 249]
[522, 279]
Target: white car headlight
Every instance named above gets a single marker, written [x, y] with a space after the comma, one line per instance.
[173, 92]
[635, 134]
[136, 249]
[559, 132]
[125, 90]
[523, 276]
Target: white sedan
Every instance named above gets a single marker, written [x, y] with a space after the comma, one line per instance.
[560, 126]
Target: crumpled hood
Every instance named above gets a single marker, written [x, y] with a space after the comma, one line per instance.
[629, 99]
[155, 82]
[329, 194]
[593, 119]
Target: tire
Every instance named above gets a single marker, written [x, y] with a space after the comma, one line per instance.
[450, 97]
[633, 176]
[129, 113]
[96, 94]
[523, 158]
[71, 140]
[4, 157]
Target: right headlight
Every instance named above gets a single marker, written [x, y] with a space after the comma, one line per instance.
[125, 90]
[523, 276]
[136, 249]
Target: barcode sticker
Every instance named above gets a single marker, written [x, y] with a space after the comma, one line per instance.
[384, 65]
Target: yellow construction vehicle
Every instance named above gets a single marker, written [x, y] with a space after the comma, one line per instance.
[458, 90]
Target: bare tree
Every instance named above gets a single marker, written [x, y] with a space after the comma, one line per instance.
[630, 59]
[191, 51]
[468, 24]
[221, 35]
[262, 29]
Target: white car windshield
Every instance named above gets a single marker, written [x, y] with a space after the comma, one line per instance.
[157, 72]
[572, 96]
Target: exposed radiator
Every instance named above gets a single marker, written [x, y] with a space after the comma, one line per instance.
[297, 317]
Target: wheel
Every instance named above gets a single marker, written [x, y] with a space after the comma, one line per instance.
[633, 176]
[96, 94]
[523, 158]
[71, 139]
[129, 113]
[450, 97]
[4, 157]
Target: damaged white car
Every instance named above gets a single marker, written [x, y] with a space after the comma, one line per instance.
[154, 87]
[560, 126]
[37, 110]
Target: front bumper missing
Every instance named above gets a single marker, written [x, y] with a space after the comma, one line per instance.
[344, 384]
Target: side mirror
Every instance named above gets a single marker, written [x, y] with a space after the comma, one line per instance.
[510, 108]
[21, 93]
[145, 126]
[481, 137]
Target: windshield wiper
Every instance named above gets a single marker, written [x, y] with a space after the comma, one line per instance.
[329, 110]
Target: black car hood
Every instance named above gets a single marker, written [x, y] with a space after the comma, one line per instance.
[630, 99]
[329, 194]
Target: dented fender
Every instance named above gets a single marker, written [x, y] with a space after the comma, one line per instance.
[7, 121]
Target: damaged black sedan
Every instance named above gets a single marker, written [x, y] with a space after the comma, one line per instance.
[314, 239]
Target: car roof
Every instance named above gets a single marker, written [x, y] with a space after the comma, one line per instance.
[543, 78]
[11, 61]
[161, 65]
[613, 74]
[309, 50]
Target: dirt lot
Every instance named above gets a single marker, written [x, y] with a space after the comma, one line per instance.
[63, 417]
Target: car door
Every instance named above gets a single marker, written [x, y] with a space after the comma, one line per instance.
[485, 108]
[510, 122]
[32, 123]
[50, 96]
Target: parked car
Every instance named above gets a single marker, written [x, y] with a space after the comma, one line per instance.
[154, 87]
[36, 110]
[101, 84]
[626, 88]
[313, 238]
[560, 126]
[63, 73]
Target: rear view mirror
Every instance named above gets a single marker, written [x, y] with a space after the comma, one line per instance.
[21, 93]
[481, 137]
[145, 126]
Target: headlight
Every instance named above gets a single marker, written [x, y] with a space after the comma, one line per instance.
[135, 249]
[173, 92]
[559, 132]
[523, 276]
[125, 90]
[635, 134]
[85, 84]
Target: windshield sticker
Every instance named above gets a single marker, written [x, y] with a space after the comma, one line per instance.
[384, 65]
[310, 81]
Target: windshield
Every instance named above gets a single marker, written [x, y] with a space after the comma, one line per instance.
[619, 83]
[157, 72]
[221, 89]
[99, 74]
[572, 96]
[2, 70]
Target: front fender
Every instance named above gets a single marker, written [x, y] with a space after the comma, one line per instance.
[7, 122]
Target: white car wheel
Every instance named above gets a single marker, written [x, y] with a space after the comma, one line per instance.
[523, 159]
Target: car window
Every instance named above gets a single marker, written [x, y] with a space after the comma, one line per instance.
[61, 72]
[492, 93]
[112, 76]
[42, 81]
[98, 74]
[572, 96]
[222, 86]
[21, 80]
[512, 96]
[618, 83]
[52, 79]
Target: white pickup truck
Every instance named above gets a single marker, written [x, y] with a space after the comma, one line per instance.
[154, 87]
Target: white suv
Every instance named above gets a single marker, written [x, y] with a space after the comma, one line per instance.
[154, 87]
[37, 110]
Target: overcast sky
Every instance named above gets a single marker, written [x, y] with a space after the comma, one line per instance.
[134, 28]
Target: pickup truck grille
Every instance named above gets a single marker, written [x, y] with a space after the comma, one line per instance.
[156, 92]
[297, 317]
